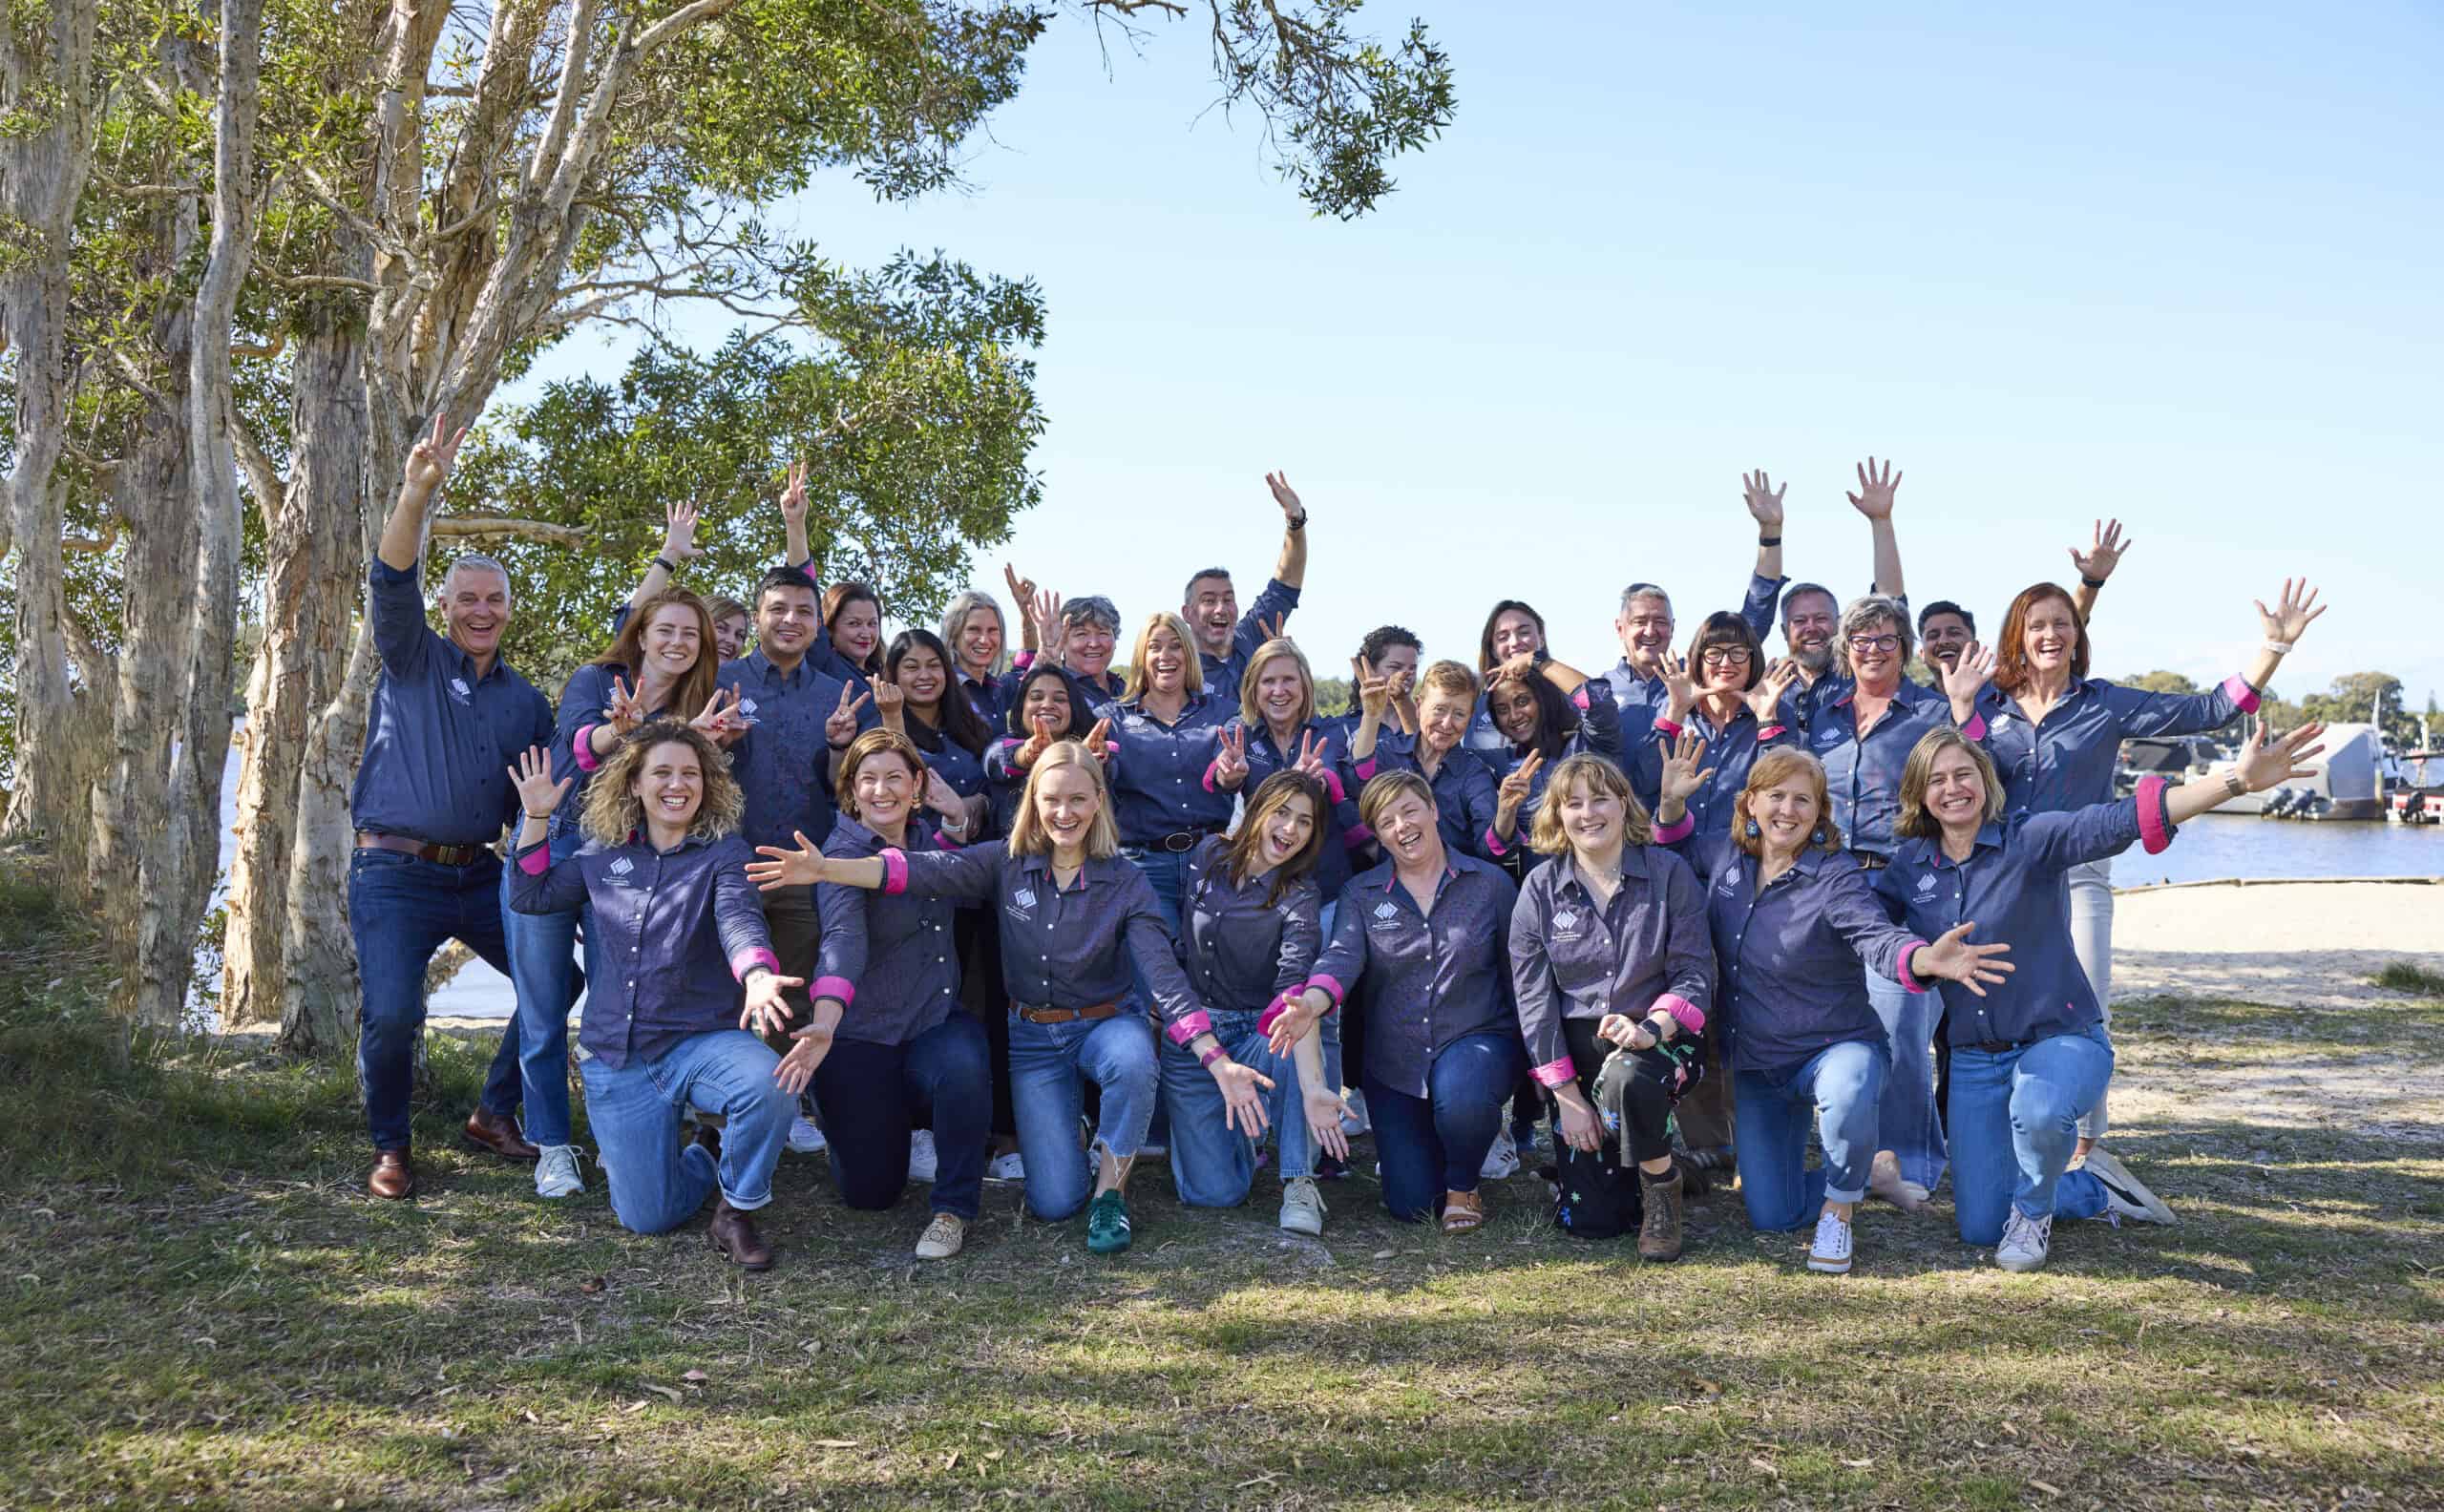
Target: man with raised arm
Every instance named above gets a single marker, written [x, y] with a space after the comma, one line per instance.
[432, 796]
[1225, 638]
[1810, 613]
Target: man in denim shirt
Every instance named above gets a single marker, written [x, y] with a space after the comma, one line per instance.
[1225, 638]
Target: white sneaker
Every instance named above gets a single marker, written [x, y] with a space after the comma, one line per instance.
[1303, 1207]
[1356, 1121]
[920, 1155]
[1007, 1167]
[805, 1138]
[556, 1172]
[2125, 1196]
[943, 1237]
[1830, 1253]
[2026, 1240]
[1501, 1160]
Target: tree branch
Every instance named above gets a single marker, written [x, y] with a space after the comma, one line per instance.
[462, 526]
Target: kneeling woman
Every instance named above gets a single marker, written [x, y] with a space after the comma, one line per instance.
[1419, 940]
[666, 877]
[1249, 933]
[1075, 915]
[890, 1046]
[2029, 1059]
[1607, 947]
[1797, 927]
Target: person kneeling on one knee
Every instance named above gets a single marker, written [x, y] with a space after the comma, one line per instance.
[681, 927]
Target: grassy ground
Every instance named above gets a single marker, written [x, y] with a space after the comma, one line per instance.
[199, 1306]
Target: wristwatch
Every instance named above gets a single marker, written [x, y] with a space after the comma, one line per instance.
[2233, 785]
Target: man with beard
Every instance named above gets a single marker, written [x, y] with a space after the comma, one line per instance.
[1225, 638]
[1810, 613]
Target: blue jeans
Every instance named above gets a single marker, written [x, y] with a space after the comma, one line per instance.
[2015, 1122]
[400, 911]
[1214, 1166]
[656, 1185]
[1437, 1143]
[542, 966]
[1906, 1119]
[1049, 1067]
[872, 1095]
[1837, 1090]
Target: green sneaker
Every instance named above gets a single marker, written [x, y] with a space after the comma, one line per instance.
[1108, 1224]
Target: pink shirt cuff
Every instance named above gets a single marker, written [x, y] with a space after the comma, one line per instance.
[894, 870]
[1493, 843]
[1188, 1026]
[1022, 660]
[1272, 1011]
[1692, 1017]
[1331, 786]
[1975, 729]
[1677, 830]
[538, 861]
[2241, 694]
[1209, 776]
[1771, 733]
[582, 748]
[1366, 769]
[1908, 983]
[1665, 726]
[1581, 698]
[1555, 1073]
[840, 987]
[1355, 835]
[2149, 799]
[1329, 985]
[747, 959]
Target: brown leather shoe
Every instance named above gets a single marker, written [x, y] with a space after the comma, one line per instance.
[393, 1176]
[1659, 1232]
[733, 1233]
[488, 1130]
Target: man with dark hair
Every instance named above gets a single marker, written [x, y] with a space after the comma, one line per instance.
[1226, 639]
[1945, 630]
[432, 795]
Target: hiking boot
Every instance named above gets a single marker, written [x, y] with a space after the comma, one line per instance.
[1659, 1234]
[2125, 1196]
[1303, 1207]
[943, 1237]
[2026, 1240]
[1108, 1224]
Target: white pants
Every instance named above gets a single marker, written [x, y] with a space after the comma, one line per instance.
[2091, 884]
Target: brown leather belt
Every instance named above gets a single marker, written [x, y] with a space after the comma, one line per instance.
[1054, 1015]
[457, 855]
[1869, 861]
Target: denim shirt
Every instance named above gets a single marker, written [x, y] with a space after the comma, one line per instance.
[1598, 731]
[1242, 953]
[1064, 947]
[888, 957]
[781, 761]
[1341, 827]
[1162, 775]
[2067, 760]
[1423, 978]
[1644, 704]
[1795, 957]
[582, 701]
[1863, 775]
[1731, 749]
[1573, 957]
[1463, 792]
[1223, 673]
[989, 697]
[676, 930]
[2012, 887]
[440, 740]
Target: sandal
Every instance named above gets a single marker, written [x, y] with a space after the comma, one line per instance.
[1462, 1212]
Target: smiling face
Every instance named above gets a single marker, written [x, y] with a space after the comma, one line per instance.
[857, 629]
[1442, 718]
[1406, 830]
[1066, 802]
[475, 604]
[885, 790]
[1592, 818]
[1645, 629]
[1943, 637]
[923, 677]
[1513, 707]
[1398, 665]
[671, 643]
[1281, 692]
[1213, 614]
[1090, 648]
[1046, 705]
[1956, 790]
[785, 623]
[1722, 668]
[1787, 816]
[1166, 661]
[1875, 655]
[1286, 830]
[2050, 637]
[1808, 623]
[670, 783]
[1516, 634]
[979, 642]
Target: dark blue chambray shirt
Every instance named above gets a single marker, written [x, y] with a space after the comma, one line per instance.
[1795, 957]
[1862, 776]
[1158, 774]
[2012, 887]
[1573, 958]
[582, 701]
[781, 761]
[1731, 749]
[1222, 674]
[1463, 791]
[1643, 704]
[1422, 978]
[989, 697]
[1240, 950]
[888, 956]
[2067, 762]
[440, 740]
[1341, 827]
[675, 931]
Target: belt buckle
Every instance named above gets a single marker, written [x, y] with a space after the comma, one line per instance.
[1180, 842]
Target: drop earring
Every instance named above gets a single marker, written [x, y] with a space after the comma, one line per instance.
[1819, 836]
[1751, 831]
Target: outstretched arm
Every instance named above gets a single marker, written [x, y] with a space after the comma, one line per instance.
[1877, 483]
[1289, 568]
[429, 464]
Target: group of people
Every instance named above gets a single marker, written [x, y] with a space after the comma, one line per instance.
[949, 908]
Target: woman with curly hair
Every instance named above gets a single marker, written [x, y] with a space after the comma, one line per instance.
[681, 930]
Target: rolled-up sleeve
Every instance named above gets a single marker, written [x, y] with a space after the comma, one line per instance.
[536, 885]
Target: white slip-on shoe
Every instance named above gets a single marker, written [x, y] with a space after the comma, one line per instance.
[2125, 1196]
[943, 1237]
[1830, 1253]
[805, 1138]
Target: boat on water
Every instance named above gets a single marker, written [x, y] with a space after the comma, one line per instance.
[2353, 780]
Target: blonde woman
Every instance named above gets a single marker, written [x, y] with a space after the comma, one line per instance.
[1075, 919]
[664, 874]
[1177, 760]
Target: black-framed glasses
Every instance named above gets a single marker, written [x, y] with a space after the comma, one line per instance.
[1881, 642]
[1724, 656]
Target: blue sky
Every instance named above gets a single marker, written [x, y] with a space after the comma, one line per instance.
[2171, 264]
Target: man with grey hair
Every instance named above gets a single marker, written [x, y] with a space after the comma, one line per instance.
[1645, 626]
[432, 796]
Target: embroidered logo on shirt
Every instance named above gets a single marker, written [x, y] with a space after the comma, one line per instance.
[747, 705]
[1998, 722]
[1133, 722]
[1926, 883]
[1564, 920]
[1729, 886]
[458, 687]
[1023, 897]
[1829, 735]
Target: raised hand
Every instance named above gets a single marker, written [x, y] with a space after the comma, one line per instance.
[1291, 508]
[767, 1011]
[1374, 691]
[1765, 699]
[1952, 958]
[2098, 562]
[1876, 487]
[431, 459]
[1022, 589]
[794, 495]
[1274, 627]
[1764, 501]
[941, 797]
[720, 718]
[1311, 755]
[1231, 757]
[783, 868]
[889, 701]
[1045, 610]
[1243, 1088]
[1099, 740]
[626, 711]
[1673, 668]
[536, 792]
[1521, 782]
[1961, 681]
[2296, 611]
[2269, 761]
[840, 726]
[1681, 777]
[679, 530]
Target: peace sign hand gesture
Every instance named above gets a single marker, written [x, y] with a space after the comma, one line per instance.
[1374, 690]
[1099, 740]
[537, 794]
[1764, 501]
[1311, 755]
[1022, 589]
[626, 711]
[2096, 563]
[1876, 487]
[1521, 782]
[794, 495]
[840, 726]
[433, 455]
[1231, 757]
[720, 718]
[2296, 611]
[1035, 745]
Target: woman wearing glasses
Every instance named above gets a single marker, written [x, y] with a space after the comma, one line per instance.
[1727, 697]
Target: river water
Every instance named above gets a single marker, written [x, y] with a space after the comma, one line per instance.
[2216, 846]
